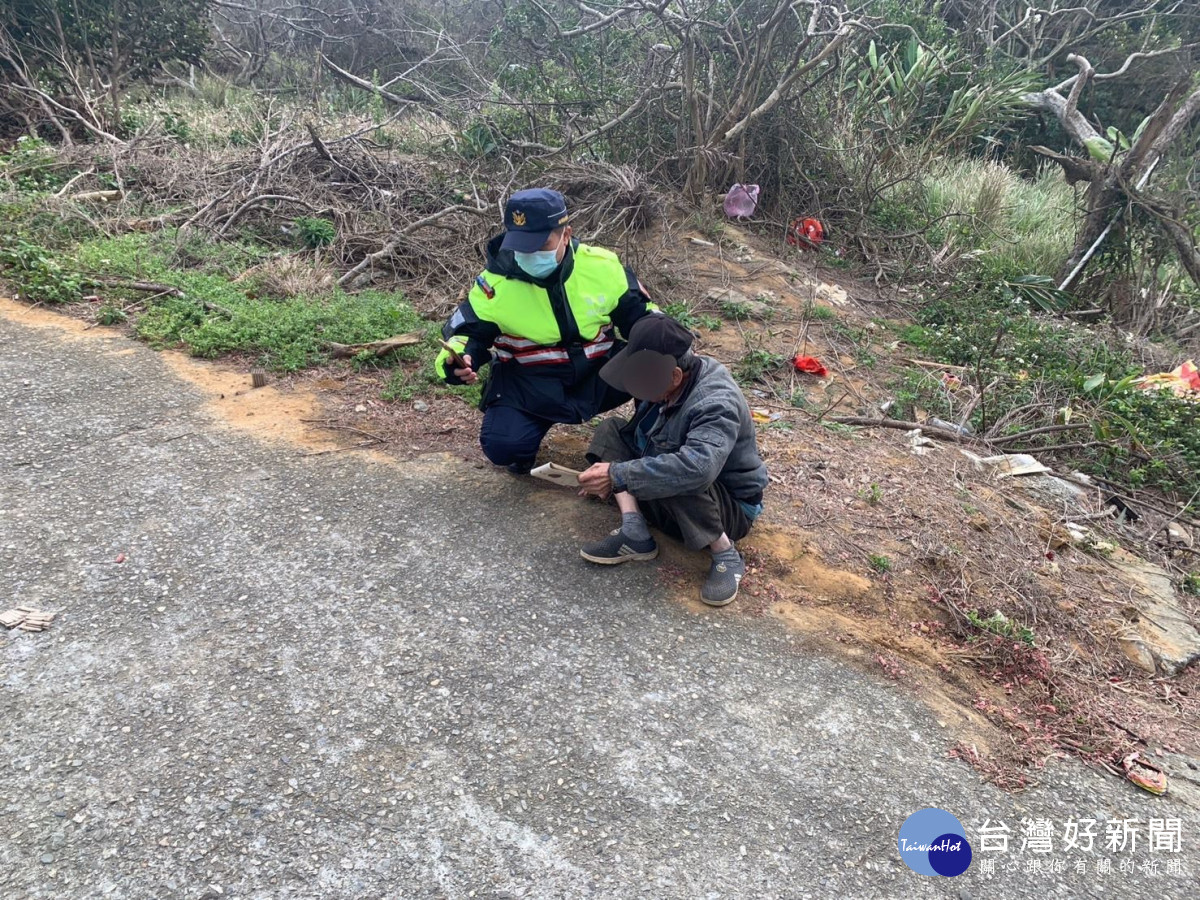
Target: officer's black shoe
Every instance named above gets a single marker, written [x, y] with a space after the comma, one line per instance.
[519, 467]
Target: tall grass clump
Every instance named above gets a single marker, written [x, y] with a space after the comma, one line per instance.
[1009, 225]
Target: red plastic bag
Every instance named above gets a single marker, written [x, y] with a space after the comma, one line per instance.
[811, 365]
[805, 232]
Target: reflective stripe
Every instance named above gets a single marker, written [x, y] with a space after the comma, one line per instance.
[530, 353]
[542, 356]
[515, 343]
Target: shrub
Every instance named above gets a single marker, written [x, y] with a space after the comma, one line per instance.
[39, 273]
[216, 315]
[1030, 362]
[315, 233]
[111, 314]
[1002, 626]
[29, 166]
[682, 313]
[1158, 440]
[287, 335]
[735, 310]
[755, 365]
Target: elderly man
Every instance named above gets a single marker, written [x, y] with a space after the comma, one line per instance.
[543, 313]
[687, 462]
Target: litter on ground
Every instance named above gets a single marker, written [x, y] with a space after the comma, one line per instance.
[26, 618]
[811, 365]
[1183, 380]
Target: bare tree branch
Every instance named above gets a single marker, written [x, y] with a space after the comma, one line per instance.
[390, 247]
[367, 86]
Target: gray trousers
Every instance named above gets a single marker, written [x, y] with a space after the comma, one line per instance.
[695, 519]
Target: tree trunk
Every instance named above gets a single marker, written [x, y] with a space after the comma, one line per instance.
[697, 177]
[1104, 198]
[1118, 180]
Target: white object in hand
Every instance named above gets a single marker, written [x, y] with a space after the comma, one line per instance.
[557, 474]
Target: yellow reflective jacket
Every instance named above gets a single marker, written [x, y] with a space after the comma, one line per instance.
[547, 339]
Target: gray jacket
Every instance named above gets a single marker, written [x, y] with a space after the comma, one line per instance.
[706, 435]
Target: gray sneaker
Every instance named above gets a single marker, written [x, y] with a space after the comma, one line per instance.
[618, 548]
[721, 585]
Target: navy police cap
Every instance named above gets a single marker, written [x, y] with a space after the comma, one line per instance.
[530, 216]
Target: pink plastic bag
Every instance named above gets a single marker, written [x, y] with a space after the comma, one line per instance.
[741, 201]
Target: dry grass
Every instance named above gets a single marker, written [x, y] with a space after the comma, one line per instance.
[430, 215]
[284, 277]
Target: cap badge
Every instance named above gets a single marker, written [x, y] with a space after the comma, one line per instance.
[518, 218]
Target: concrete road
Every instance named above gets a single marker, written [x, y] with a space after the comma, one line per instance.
[327, 676]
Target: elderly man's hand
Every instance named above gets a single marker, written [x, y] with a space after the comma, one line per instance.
[467, 375]
[596, 481]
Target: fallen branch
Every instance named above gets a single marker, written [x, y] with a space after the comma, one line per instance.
[357, 446]
[926, 364]
[390, 247]
[931, 430]
[1127, 495]
[1058, 448]
[153, 223]
[258, 201]
[70, 184]
[1175, 518]
[947, 434]
[152, 287]
[212, 307]
[375, 348]
[331, 425]
[368, 86]
[106, 196]
[325, 154]
[1048, 429]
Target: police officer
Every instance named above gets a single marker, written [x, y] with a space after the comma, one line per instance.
[542, 313]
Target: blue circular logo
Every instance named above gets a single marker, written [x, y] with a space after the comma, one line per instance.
[933, 842]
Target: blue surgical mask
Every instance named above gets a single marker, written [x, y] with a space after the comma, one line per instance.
[538, 264]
